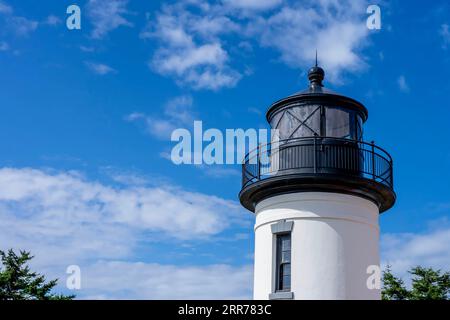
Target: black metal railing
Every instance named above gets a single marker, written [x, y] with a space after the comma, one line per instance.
[318, 155]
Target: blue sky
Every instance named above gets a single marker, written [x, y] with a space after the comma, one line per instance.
[87, 115]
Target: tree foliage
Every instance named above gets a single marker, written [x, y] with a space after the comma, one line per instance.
[426, 284]
[18, 282]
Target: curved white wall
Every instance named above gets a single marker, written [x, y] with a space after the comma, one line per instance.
[334, 240]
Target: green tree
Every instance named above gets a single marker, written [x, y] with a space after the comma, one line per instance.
[393, 287]
[426, 284]
[18, 282]
[429, 284]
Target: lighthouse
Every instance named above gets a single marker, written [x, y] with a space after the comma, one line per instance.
[317, 193]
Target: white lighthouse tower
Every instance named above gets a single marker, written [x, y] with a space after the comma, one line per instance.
[317, 197]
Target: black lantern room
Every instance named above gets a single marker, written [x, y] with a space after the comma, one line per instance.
[319, 147]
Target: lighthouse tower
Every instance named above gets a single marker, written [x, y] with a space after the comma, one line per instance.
[317, 194]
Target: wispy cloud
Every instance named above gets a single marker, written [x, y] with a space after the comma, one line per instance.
[258, 5]
[336, 29]
[5, 8]
[53, 20]
[444, 32]
[22, 26]
[18, 25]
[107, 16]
[405, 250]
[201, 66]
[4, 46]
[177, 113]
[220, 171]
[254, 110]
[402, 84]
[127, 178]
[100, 68]
[136, 280]
[189, 49]
[196, 50]
[87, 49]
[64, 218]
[54, 206]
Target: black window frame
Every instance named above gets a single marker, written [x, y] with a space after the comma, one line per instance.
[355, 129]
[280, 284]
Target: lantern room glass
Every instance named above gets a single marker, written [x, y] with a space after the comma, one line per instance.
[338, 123]
[301, 121]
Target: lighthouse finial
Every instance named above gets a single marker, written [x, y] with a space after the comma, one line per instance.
[316, 75]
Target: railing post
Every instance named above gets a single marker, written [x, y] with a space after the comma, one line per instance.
[259, 162]
[243, 174]
[315, 154]
[372, 143]
[392, 174]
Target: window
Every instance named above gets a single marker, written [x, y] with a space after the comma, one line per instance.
[297, 122]
[359, 128]
[338, 123]
[283, 262]
[282, 231]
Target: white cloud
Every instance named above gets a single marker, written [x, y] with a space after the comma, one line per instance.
[445, 34]
[212, 79]
[22, 26]
[155, 126]
[5, 8]
[253, 4]
[195, 48]
[254, 110]
[208, 54]
[406, 250]
[53, 20]
[64, 219]
[245, 46]
[336, 29]
[129, 179]
[87, 49]
[57, 205]
[128, 280]
[190, 50]
[107, 16]
[179, 109]
[402, 84]
[4, 46]
[100, 68]
[202, 67]
[220, 171]
[177, 113]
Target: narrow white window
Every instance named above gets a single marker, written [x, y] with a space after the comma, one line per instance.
[283, 262]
